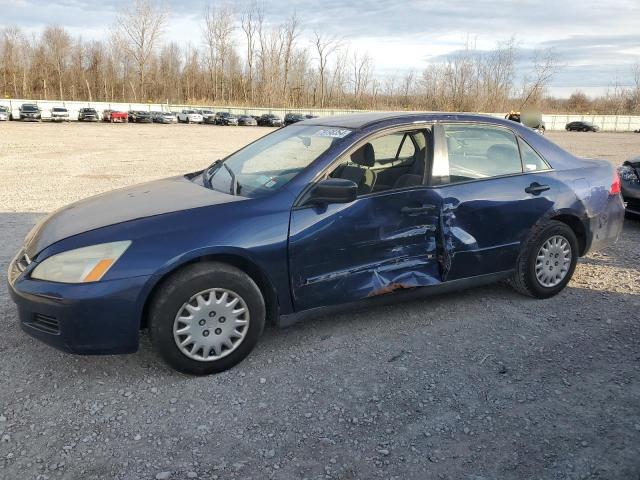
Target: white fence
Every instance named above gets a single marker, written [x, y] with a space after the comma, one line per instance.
[609, 123]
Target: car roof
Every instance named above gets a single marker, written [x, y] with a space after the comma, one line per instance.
[361, 120]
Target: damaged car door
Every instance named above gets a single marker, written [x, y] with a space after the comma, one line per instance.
[383, 241]
[494, 187]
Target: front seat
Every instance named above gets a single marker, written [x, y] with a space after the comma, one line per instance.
[365, 178]
[416, 173]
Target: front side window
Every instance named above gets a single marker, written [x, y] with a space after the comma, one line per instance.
[476, 152]
[388, 162]
[270, 162]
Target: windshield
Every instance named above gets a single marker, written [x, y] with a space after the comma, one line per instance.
[29, 108]
[270, 162]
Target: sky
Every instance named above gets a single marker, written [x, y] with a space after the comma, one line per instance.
[595, 42]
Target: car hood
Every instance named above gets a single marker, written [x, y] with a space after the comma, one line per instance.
[138, 201]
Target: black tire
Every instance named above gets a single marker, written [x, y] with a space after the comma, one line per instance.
[178, 289]
[524, 278]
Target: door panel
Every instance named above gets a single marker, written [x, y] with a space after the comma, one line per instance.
[377, 244]
[485, 222]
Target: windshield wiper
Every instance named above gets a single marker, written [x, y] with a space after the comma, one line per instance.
[234, 188]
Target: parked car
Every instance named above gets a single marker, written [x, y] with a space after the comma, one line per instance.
[59, 114]
[269, 120]
[165, 117]
[115, 116]
[247, 121]
[5, 115]
[310, 116]
[88, 115]
[387, 205]
[226, 118]
[581, 126]
[30, 112]
[209, 116]
[291, 118]
[140, 116]
[190, 116]
[630, 181]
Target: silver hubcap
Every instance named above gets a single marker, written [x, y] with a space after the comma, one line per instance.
[211, 325]
[553, 261]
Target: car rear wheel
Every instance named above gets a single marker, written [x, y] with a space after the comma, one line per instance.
[547, 262]
[206, 318]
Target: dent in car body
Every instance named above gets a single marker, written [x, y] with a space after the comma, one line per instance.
[374, 248]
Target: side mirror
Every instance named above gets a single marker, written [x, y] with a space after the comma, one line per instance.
[332, 190]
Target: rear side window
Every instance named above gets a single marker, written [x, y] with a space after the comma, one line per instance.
[530, 158]
[476, 152]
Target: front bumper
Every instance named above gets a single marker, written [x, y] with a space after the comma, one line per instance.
[92, 318]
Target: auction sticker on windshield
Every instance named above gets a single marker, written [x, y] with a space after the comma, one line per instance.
[332, 132]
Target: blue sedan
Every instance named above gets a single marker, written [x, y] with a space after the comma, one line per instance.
[328, 212]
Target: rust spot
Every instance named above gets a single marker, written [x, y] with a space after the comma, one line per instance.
[392, 287]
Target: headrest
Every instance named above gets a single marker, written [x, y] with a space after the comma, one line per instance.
[502, 152]
[364, 156]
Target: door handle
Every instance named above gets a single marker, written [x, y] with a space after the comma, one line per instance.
[536, 189]
[412, 210]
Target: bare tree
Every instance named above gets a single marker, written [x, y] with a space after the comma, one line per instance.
[545, 66]
[249, 20]
[141, 27]
[361, 66]
[291, 32]
[218, 27]
[325, 47]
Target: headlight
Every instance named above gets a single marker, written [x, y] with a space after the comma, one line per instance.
[87, 264]
[628, 174]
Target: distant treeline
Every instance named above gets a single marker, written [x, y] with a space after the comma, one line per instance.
[244, 59]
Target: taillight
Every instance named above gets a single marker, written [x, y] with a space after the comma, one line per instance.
[615, 185]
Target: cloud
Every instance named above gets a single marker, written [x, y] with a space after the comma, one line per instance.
[402, 35]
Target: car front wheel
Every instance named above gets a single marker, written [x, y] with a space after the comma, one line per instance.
[206, 318]
[547, 262]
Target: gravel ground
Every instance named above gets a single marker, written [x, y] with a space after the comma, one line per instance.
[483, 384]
